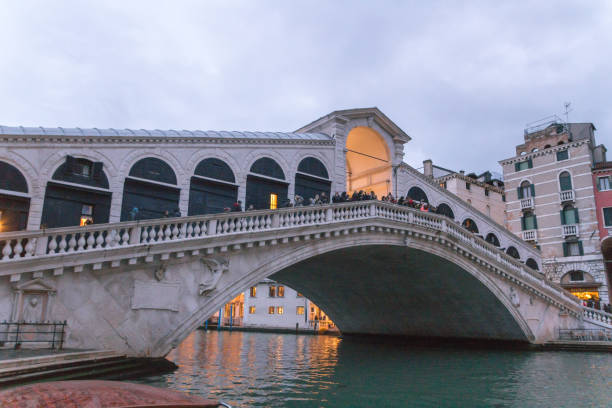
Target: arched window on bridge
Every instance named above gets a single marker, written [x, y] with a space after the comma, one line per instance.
[266, 186]
[532, 264]
[444, 209]
[14, 200]
[78, 194]
[565, 181]
[312, 179]
[492, 239]
[213, 187]
[150, 191]
[513, 252]
[417, 194]
[470, 225]
[368, 162]
[581, 284]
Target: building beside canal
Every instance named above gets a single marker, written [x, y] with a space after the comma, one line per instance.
[484, 192]
[271, 305]
[551, 187]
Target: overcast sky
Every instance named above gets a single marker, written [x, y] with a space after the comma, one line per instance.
[461, 79]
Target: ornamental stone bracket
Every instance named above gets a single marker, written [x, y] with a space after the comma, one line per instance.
[212, 270]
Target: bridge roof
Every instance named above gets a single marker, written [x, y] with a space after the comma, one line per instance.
[62, 131]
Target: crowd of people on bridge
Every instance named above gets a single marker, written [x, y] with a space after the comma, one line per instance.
[597, 304]
[343, 197]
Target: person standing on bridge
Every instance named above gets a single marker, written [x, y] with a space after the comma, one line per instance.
[237, 207]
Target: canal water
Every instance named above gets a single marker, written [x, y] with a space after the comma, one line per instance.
[284, 370]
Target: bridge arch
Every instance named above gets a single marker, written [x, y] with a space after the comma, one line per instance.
[470, 225]
[513, 252]
[530, 262]
[291, 270]
[15, 200]
[416, 193]
[492, 239]
[446, 210]
[266, 185]
[312, 178]
[150, 190]
[212, 188]
[368, 161]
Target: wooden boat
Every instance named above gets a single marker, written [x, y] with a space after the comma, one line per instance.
[94, 393]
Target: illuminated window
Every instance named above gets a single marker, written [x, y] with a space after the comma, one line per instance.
[253, 291]
[299, 295]
[251, 309]
[273, 201]
[281, 291]
[280, 310]
[86, 215]
[299, 310]
[271, 291]
[271, 310]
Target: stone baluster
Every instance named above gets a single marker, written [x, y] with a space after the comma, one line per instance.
[110, 238]
[99, 240]
[250, 224]
[167, 232]
[160, 233]
[7, 251]
[91, 240]
[125, 237]
[196, 229]
[72, 243]
[189, 229]
[30, 247]
[62, 244]
[52, 245]
[134, 235]
[268, 221]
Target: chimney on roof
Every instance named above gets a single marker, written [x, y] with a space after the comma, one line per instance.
[462, 172]
[428, 168]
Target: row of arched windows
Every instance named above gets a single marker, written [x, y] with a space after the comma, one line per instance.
[78, 193]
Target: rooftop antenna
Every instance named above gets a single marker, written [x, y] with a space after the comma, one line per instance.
[567, 111]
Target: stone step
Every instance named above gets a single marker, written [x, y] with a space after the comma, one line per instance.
[12, 371]
[80, 371]
[56, 357]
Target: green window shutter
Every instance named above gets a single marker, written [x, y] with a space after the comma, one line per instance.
[523, 223]
[519, 192]
[580, 248]
[576, 216]
[529, 163]
[565, 249]
[532, 187]
[562, 213]
[517, 166]
[535, 222]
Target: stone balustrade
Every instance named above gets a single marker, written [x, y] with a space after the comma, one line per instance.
[598, 316]
[16, 246]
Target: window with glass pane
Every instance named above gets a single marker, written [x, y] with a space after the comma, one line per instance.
[530, 221]
[280, 310]
[525, 189]
[281, 291]
[253, 291]
[251, 309]
[565, 181]
[562, 155]
[524, 165]
[569, 215]
[607, 213]
[272, 291]
[576, 276]
[603, 183]
[299, 310]
[573, 249]
[271, 310]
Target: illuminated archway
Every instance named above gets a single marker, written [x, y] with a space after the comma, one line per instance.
[368, 162]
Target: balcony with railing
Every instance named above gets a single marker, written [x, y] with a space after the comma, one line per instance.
[570, 230]
[530, 235]
[527, 203]
[567, 195]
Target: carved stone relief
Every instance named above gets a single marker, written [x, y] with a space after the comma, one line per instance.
[212, 270]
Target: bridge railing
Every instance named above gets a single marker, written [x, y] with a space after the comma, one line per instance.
[31, 244]
[596, 315]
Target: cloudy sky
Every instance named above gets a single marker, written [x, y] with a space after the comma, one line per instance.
[462, 79]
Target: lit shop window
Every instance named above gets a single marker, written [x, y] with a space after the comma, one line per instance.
[299, 310]
[86, 215]
[280, 310]
[281, 291]
[251, 309]
[273, 201]
[271, 310]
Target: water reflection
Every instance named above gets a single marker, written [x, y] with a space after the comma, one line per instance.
[274, 370]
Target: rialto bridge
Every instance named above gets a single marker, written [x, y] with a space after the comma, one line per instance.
[86, 241]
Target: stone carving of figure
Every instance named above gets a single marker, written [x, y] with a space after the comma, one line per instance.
[514, 298]
[213, 269]
[32, 309]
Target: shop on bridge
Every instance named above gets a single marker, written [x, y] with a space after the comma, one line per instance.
[14, 200]
[78, 194]
[213, 187]
[582, 285]
[312, 179]
[150, 191]
[266, 185]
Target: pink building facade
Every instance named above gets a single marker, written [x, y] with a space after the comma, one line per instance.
[602, 187]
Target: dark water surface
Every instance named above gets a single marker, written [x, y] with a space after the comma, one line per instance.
[284, 370]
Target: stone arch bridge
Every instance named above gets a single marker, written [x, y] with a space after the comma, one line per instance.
[375, 268]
